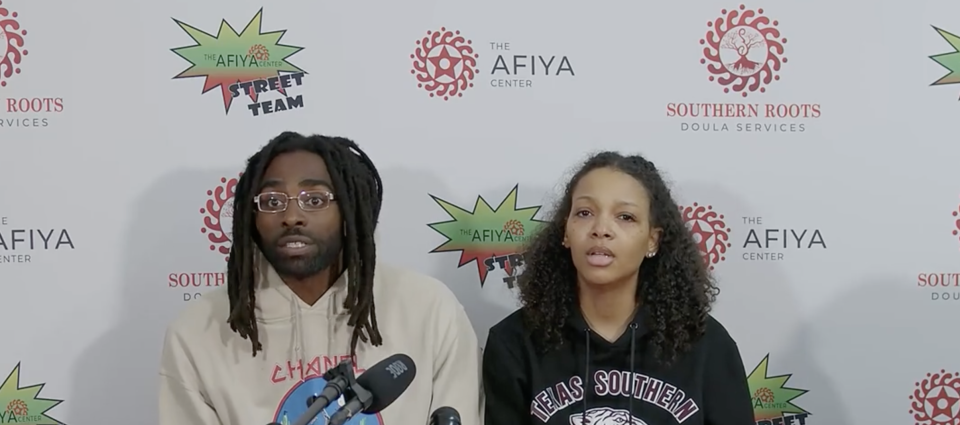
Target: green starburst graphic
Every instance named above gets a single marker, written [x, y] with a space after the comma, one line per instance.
[950, 61]
[229, 58]
[21, 405]
[486, 233]
[771, 397]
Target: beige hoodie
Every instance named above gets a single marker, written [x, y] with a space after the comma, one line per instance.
[208, 375]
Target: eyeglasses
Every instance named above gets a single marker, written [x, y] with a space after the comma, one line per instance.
[276, 202]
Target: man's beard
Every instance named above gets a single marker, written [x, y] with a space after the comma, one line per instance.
[328, 251]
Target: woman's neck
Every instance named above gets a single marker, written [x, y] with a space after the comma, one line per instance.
[610, 308]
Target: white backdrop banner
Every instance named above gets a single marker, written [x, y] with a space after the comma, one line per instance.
[808, 143]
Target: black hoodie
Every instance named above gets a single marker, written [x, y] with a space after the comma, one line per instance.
[522, 385]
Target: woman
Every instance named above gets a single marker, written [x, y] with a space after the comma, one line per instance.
[614, 325]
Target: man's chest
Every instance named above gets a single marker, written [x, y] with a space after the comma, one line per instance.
[281, 390]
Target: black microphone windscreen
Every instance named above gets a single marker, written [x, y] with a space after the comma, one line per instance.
[445, 415]
[387, 380]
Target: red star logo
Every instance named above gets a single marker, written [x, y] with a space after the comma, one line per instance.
[703, 232]
[451, 63]
[942, 404]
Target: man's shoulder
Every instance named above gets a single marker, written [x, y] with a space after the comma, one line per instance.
[407, 284]
[202, 315]
[401, 292]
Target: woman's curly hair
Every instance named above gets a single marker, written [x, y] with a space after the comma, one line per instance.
[674, 284]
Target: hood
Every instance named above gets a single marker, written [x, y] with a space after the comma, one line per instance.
[590, 348]
[276, 302]
[577, 326]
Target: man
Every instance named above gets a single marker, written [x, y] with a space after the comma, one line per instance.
[302, 277]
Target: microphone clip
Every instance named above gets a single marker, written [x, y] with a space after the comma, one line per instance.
[352, 389]
[340, 375]
[357, 392]
[356, 398]
[344, 368]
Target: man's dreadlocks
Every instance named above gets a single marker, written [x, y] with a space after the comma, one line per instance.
[359, 194]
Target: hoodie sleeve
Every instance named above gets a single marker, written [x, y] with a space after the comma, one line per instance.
[180, 399]
[726, 395]
[503, 383]
[456, 368]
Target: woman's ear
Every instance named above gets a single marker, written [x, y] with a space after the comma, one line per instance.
[653, 243]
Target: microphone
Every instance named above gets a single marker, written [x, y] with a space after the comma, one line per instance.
[377, 388]
[445, 415]
[338, 379]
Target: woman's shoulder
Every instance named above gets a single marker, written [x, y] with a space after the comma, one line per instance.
[716, 333]
[511, 328]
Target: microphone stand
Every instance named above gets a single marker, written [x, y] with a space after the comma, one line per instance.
[341, 377]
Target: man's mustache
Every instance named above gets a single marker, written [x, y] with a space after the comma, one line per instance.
[297, 232]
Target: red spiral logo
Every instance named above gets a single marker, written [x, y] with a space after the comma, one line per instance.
[936, 399]
[743, 50]
[709, 231]
[444, 63]
[11, 44]
[218, 216]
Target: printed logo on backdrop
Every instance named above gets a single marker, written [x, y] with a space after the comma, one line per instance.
[20, 111]
[25, 244]
[446, 65]
[252, 64]
[936, 399]
[11, 42]
[216, 226]
[218, 216]
[24, 405]
[949, 60]
[709, 230]
[492, 238]
[773, 400]
[943, 285]
[712, 232]
[743, 53]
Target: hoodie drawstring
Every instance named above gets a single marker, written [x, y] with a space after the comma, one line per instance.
[633, 371]
[333, 317]
[586, 375]
[297, 331]
[633, 368]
